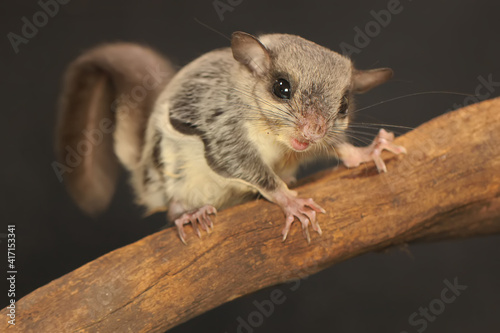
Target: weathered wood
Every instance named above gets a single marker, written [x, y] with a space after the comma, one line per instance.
[447, 186]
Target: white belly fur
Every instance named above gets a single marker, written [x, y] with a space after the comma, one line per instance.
[191, 181]
[187, 177]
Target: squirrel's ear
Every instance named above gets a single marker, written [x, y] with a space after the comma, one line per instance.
[366, 80]
[249, 51]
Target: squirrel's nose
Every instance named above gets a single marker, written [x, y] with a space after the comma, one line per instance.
[313, 129]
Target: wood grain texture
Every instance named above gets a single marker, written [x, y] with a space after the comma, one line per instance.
[447, 186]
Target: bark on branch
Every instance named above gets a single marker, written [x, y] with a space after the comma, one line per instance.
[447, 186]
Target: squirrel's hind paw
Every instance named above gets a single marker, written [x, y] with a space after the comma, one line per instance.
[200, 216]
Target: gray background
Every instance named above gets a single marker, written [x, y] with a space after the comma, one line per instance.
[431, 45]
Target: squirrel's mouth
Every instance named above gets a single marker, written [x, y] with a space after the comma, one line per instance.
[299, 145]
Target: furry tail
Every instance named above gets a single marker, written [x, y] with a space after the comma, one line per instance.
[107, 96]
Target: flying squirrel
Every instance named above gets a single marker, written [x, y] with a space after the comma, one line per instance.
[234, 123]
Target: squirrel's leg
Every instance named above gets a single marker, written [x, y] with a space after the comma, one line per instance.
[353, 156]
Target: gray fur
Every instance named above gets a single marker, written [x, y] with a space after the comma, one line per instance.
[220, 97]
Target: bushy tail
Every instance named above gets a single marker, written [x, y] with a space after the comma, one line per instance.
[107, 96]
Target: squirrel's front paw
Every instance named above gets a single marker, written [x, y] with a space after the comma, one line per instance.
[305, 211]
[354, 156]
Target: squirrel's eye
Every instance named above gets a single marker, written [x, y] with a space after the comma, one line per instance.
[344, 105]
[282, 89]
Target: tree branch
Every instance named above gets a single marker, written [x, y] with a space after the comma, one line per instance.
[447, 186]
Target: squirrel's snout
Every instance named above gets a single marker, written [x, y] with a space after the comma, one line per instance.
[313, 129]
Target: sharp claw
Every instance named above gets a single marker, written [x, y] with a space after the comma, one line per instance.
[320, 209]
[288, 223]
[285, 236]
[214, 212]
[316, 227]
[195, 227]
[210, 225]
[180, 231]
[379, 163]
[181, 236]
[319, 231]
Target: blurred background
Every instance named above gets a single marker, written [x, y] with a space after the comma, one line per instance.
[431, 45]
